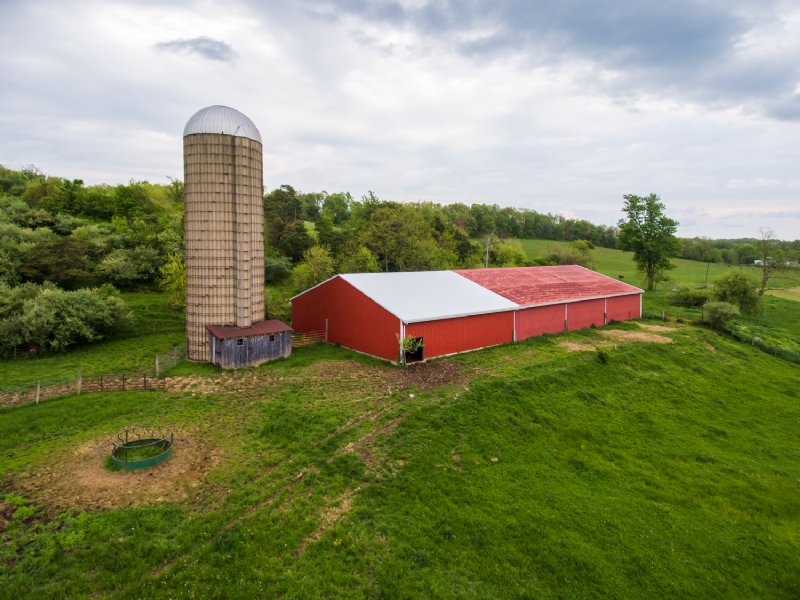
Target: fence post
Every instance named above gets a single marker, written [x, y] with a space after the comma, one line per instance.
[123, 381]
[158, 369]
[80, 380]
[145, 380]
[38, 390]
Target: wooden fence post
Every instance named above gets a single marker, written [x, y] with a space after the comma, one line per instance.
[101, 383]
[38, 390]
[123, 381]
[80, 381]
[158, 370]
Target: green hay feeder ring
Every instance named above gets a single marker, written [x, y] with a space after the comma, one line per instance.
[142, 446]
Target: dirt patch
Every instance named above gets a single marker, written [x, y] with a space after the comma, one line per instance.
[328, 518]
[82, 482]
[577, 347]
[656, 328]
[634, 336]
[427, 376]
[6, 512]
[364, 447]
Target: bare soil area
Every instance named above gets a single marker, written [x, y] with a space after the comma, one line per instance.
[618, 335]
[82, 482]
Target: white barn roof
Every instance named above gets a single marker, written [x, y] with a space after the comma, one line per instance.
[222, 119]
[428, 295]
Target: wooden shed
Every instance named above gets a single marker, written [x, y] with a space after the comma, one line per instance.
[233, 347]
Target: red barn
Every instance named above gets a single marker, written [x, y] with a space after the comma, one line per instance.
[457, 311]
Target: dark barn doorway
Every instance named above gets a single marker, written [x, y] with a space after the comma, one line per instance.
[414, 353]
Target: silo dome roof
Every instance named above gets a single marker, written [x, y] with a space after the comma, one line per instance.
[222, 119]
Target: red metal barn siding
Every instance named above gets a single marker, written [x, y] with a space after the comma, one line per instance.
[449, 336]
[540, 320]
[354, 320]
[624, 307]
[585, 314]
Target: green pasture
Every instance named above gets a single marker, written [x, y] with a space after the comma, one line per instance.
[156, 329]
[778, 322]
[670, 470]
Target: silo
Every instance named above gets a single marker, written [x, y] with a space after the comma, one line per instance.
[223, 224]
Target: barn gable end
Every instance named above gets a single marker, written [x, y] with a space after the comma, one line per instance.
[346, 316]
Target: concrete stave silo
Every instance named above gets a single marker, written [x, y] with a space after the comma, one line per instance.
[224, 239]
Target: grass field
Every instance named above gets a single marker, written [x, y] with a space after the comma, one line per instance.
[778, 322]
[155, 330]
[526, 470]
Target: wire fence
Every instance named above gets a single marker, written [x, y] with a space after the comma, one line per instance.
[150, 377]
[741, 334]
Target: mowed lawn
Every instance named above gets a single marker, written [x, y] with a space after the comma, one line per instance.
[659, 468]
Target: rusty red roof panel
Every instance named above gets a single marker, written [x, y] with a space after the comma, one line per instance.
[224, 332]
[547, 285]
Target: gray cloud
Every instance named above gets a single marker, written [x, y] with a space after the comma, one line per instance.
[685, 49]
[204, 46]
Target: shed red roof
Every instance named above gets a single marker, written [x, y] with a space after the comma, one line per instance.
[548, 285]
[224, 332]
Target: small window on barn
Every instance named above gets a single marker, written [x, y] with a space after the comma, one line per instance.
[272, 337]
[240, 341]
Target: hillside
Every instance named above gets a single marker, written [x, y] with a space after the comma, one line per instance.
[663, 466]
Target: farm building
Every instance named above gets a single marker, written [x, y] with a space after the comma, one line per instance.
[232, 347]
[456, 311]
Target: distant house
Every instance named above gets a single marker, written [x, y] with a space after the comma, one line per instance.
[232, 347]
[446, 312]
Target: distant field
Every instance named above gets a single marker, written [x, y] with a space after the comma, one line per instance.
[616, 262]
[779, 321]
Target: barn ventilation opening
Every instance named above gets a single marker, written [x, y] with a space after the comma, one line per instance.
[414, 349]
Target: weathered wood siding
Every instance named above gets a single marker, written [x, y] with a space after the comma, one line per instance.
[255, 349]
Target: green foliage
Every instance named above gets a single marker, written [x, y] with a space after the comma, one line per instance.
[686, 295]
[507, 253]
[649, 234]
[276, 266]
[156, 329]
[359, 260]
[576, 253]
[739, 288]
[409, 345]
[127, 267]
[720, 314]
[317, 266]
[51, 319]
[173, 280]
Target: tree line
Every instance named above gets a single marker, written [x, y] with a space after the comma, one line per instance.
[60, 231]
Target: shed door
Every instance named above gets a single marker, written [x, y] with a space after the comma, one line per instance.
[240, 351]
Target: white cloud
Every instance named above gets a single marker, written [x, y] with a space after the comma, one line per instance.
[355, 102]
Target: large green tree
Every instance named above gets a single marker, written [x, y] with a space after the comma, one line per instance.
[649, 234]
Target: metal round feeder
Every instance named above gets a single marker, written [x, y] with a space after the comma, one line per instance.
[142, 446]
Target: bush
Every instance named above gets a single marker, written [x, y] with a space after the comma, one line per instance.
[317, 266]
[49, 318]
[720, 314]
[276, 267]
[689, 296]
[739, 288]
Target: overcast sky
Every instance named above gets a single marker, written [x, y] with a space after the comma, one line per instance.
[555, 105]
